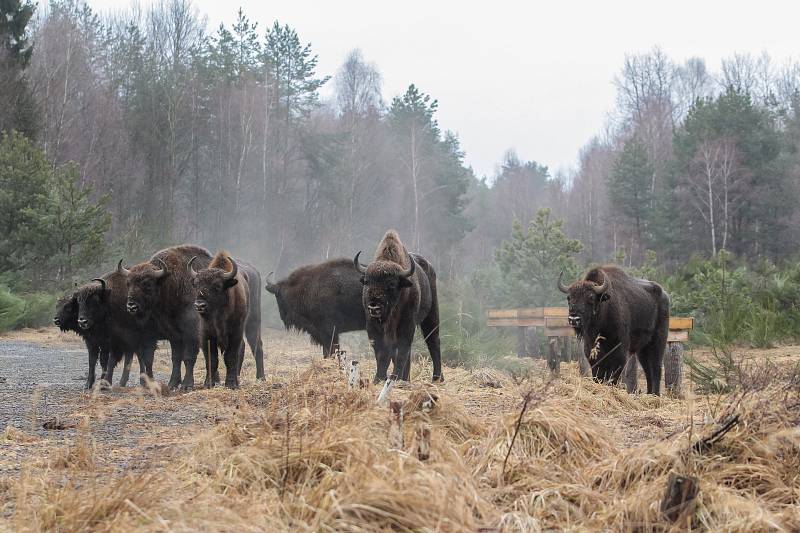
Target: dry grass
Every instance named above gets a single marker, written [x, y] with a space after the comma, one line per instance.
[304, 453]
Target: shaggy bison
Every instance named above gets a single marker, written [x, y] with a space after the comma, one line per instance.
[397, 296]
[161, 298]
[615, 315]
[228, 300]
[66, 318]
[322, 300]
[102, 309]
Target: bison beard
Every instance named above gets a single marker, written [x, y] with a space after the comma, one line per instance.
[397, 296]
[322, 300]
[228, 300]
[102, 310]
[161, 298]
[615, 315]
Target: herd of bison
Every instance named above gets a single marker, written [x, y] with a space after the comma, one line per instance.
[197, 301]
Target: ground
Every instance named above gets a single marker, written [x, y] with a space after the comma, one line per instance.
[302, 451]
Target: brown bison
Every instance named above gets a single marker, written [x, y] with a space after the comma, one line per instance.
[102, 309]
[322, 300]
[397, 296]
[228, 300]
[615, 315]
[161, 298]
[66, 318]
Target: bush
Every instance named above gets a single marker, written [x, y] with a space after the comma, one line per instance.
[25, 311]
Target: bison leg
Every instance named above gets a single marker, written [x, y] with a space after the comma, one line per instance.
[651, 357]
[177, 351]
[126, 369]
[211, 357]
[430, 328]
[93, 355]
[113, 358]
[402, 360]
[632, 374]
[191, 347]
[382, 359]
[231, 355]
[253, 334]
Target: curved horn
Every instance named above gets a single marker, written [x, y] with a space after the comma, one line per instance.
[192, 271]
[121, 269]
[232, 274]
[160, 273]
[408, 273]
[563, 288]
[361, 268]
[600, 289]
[269, 285]
[101, 281]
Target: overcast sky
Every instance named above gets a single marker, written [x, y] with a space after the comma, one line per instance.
[533, 76]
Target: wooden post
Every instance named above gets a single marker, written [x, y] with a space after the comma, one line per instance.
[583, 364]
[354, 379]
[565, 341]
[553, 361]
[522, 350]
[396, 425]
[680, 496]
[631, 372]
[673, 369]
[423, 441]
[533, 343]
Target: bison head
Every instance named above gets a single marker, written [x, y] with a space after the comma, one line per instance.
[66, 317]
[383, 282]
[143, 284]
[584, 299]
[211, 286]
[91, 304]
[283, 307]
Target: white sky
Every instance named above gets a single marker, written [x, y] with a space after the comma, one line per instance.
[530, 75]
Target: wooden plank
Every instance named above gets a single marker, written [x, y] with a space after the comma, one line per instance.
[502, 313]
[559, 332]
[556, 322]
[530, 312]
[515, 322]
[556, 311]
[680, 322]
[678, 336]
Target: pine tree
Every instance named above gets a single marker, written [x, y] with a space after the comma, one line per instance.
[17, 105]
[629, 188]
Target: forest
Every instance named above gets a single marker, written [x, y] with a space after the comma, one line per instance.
[124, 133]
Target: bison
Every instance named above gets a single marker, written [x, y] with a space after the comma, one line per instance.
[228, 300]
[322, 300]
[102, 309]
[161, 298]
[397, 296]
[615, 315]
[66, 318]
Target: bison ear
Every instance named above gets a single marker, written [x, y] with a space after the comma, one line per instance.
[605, 297]
[404, 283]
[231, 282]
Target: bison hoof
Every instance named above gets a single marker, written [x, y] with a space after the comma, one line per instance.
[231, 385]
[439, 378]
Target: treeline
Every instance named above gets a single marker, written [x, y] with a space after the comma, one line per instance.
[181, 133]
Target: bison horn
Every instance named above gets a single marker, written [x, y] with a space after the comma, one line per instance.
[234, 270]
[192, 271]
[161, 272]
[361, 268]
[121, 269]
[410, 272]
[600, 289]
[101, 281]
[563, 288]
[270, 286]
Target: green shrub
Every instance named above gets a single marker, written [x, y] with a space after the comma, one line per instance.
[12, 309]
[25, 311]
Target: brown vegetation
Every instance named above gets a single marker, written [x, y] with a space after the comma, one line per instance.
[306, 453]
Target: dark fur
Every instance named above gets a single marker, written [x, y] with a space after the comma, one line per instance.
[231, 311]
[66, 318]
[322, 300]
[104, 311]
[164, 307]
[632, 315]
[402, 304]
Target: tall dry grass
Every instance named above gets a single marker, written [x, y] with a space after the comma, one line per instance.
[308, 454]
